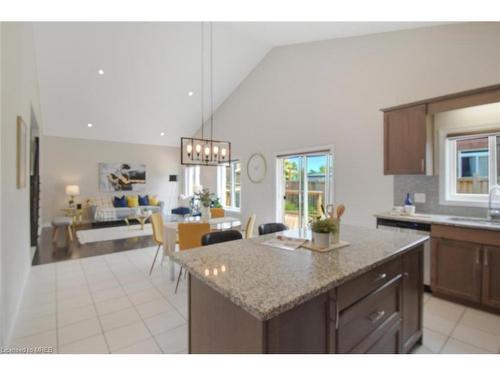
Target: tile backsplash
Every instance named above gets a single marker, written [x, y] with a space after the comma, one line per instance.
[429, 185]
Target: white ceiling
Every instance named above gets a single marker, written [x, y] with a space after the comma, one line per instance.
[150, 67]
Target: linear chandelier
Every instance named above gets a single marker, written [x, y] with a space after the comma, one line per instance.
[205, 151]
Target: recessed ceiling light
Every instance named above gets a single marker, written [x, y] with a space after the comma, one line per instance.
[162, 134]
[89, 125]
[101, 72]
[190, 93]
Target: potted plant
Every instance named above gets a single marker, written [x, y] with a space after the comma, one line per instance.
[322, 231]
[205, 198]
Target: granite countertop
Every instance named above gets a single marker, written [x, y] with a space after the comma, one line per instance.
[267, 281]
[457, 221]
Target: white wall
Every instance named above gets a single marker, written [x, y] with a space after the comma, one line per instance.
[71, 161]
[19, 94]
[331, 92]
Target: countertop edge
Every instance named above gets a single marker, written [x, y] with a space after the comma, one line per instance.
[437, 219]
[298, 301]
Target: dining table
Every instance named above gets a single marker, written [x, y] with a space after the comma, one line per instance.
[170, 229]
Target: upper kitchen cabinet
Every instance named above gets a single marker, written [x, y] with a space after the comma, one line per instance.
[405, 135]
[409, 129]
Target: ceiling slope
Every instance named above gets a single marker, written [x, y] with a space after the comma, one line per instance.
[150, 67]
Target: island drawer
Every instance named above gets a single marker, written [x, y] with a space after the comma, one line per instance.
[389, 343]
[354, 290]
[371, 316]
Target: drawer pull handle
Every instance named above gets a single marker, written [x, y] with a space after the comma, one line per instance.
[380, 277]
[376, 316]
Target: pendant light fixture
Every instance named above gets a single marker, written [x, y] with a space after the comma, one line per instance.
[205, 150]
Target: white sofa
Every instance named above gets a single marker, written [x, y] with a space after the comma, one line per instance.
[102, 209]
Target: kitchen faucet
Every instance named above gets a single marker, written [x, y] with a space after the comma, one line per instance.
[494, 203]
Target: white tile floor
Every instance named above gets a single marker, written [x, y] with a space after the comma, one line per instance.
[109, 304]
[452, 328]
[103, 304]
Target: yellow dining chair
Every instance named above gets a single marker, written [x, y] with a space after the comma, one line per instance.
[190, 237]
[157, 223]
[217, 212]
[248, 231]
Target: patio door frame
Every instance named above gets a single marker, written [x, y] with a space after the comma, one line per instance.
[280, 184]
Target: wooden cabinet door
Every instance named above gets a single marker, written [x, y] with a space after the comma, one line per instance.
[491, 276]
[405, 140]
[413, 289]
[456, 269]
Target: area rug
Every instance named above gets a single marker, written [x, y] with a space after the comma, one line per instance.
[113, 233]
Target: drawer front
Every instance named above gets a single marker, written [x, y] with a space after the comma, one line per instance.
[389, 343]
[360, 320]
[354, 290]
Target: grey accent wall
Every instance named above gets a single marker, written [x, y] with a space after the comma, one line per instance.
[430, 186]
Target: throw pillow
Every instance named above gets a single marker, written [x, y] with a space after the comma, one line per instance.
[132, 201]
[153, 201]
[143, 201]
[120, 202]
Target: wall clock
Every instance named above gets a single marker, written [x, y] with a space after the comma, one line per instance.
[256, 168]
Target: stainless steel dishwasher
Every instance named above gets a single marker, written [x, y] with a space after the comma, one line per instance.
[416, 228]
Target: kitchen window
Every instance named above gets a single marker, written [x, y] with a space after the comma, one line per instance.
[229, 185]
[472, 167]
[191, 179]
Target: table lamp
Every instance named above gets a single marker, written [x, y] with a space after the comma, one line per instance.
[72, 191]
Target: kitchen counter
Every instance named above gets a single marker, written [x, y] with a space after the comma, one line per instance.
[456, 221]
[267, 281]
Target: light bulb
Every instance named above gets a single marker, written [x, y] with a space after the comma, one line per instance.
[223, 268]
[216, 150]
[207, 272]
[189, 149]
[207, 150]
[216, 272]
[223, 152]
[198, 148]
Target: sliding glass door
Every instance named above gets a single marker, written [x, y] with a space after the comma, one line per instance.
[305, 184]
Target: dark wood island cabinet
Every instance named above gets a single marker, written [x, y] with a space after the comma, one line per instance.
[360, 299]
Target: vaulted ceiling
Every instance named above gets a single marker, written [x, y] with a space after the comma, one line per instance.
[151, 81]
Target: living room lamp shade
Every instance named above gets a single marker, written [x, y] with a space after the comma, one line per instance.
[72, 190]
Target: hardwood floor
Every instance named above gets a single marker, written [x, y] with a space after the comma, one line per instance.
[63, 249]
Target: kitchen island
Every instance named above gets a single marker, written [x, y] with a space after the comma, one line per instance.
[247, 297]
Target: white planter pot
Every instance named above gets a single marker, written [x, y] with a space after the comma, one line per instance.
[205, 214]
[321, 239]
